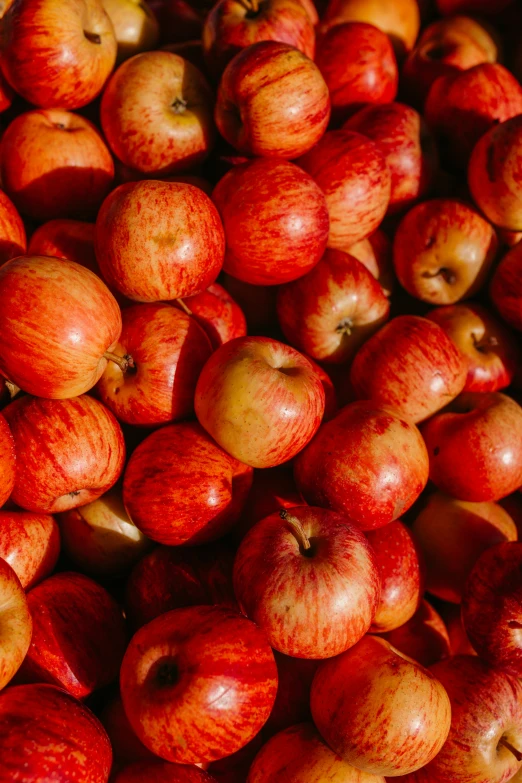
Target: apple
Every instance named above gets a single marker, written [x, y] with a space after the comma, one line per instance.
[424, 637]
[258, 303]
[12, 231]
[126, 747]
[292, 704]
[232, 25]
[493, 174]
[299, 755]
[197, 684]
[272, 101]
[173, 578]
[443, 251]
[159, 240]
[30, 544]
[407, 145]
[7, 461]
[375, 252]
[272, 490]
[45, 731]
[400, 573]
[161, 772]
[260, 400]
[156, 113]
[55, 164]
[410, 365]
[16, 623]
[475, 447]
[59, 323]
[358, 64]
[331, 403]
[218, 313]
[352, 172]
[100, 538]
[57, 52]
[275, 218]
[195, 492]
[462, 106]
[136, 28]
[506, 287]
[331, 311]
[63, 238]
[367, 463]
[353, 711]
[308, 578]
[69, 452]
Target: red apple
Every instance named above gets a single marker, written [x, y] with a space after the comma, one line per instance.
[352, 172]
[299, 755]
[407, 145]
[506, 287]
[16, 625]
[12, 232]
[197, 684]
[62, 238]
[44, 731]
[100, 538]
[258, 303]
[58, 321]
[330, 312]
[260, 400]
[410, 365]
[424, 637]
[218, 313]
[156, 113]
[292, 704]
[367, 463]
[400, 573]
[272, 489]
[195, 492]
[55, 164]
[7, 461]
[57, 52]
[358, 65]
[308, 578]
[375, 253]
[126, 747]
[331, 405]
[475, 447]
[355, 715]
[232, 25]
[159, 240]
[275, 218]
[161, 772]
[7, 93]
[69, 452]
[30, 544]
[173, 578]
[136, 28]
[253, 110]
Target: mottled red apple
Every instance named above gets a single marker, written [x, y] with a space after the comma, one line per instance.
[30, 544]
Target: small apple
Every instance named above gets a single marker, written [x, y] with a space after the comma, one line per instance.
[136, 28]
[30, 544]
[506, 287]
[16, 624]
[218, 313]
[424, 637]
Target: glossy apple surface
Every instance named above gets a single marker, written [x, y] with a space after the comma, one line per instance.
[424, 637]
[136, 28]
[506, 287]
[197, 684]
[12, 231]
[16, 624]
[218, 313]
[30, 544]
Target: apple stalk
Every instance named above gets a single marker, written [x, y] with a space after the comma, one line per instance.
[296, 528]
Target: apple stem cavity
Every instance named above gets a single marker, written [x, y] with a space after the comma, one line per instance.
[179, 106]
[92, 37]
[123, 362]
[484, 345]
[297, 529]
[446, 274]
[345, 326]
[184, 306]
[506, 744]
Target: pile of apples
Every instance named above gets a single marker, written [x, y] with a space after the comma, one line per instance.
[261, 384]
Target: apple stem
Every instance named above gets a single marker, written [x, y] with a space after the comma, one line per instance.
[517, 754]
[251, 5]
[123, 362]
[296, 528]
[184, 306]
[345, 326]
[485, 344]
[12, 388]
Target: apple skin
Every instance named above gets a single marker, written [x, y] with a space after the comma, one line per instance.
[371, 490]
[424, 637]
[330, 312]
[443, 251]
[407, 145]
[462, 106]
[218, 313]
[13, 241]
[44, 731]
[16, 624]
[64, 238]
[30, 544]
[353, 712]
[176, 671]
[161, 772]
[55, 164]
[57, 53]
[156, 113]
[292, 704]
[422, 373]
[486, 707]
[7, 461]
[312, 603]
[299, 755]
[136, 28]
[352, 172]
[253, 112]
[126, 747]
[400, 573]
[275, 218]
[506, 287]
[331, 405]
[172, 578]
[260, 400]
[232, 25]
[375, 252]
[358, 65]
[490, 350]
[272, 489]
[475, 447]
[69, 452]
[100, 538]
[195, 492]
[159, 240]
